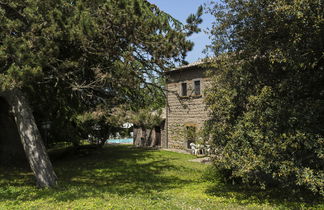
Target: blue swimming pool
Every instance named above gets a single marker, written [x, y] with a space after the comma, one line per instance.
[120, 141]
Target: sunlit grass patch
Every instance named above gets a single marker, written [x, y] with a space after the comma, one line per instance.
[122, 177]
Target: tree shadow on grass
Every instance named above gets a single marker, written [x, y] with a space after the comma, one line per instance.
[245, 195]
[115, 169]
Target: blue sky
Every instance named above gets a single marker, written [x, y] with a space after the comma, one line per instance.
[181, 9]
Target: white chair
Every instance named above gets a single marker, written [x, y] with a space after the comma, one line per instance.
[194, 149]
[201, 149]
[208, 149]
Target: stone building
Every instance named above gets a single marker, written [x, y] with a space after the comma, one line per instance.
[186, 110]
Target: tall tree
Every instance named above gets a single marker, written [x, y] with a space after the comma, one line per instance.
[77, 54]
[267, 97]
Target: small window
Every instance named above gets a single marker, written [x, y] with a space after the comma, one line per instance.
[183, 89]
[197, 87]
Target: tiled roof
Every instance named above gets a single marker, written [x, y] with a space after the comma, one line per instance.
[197, 63]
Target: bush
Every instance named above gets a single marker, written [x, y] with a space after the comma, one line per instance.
[267, 94]
[266, 138]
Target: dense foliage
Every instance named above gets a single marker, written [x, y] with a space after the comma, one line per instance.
[267, 94]
[70, 56]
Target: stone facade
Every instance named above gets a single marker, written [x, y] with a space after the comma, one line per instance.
[185, 112]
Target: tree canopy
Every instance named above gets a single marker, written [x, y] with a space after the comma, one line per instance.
[70, 56]
[267, 94]
[73, 57]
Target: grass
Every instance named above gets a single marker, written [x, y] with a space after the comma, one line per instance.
[122, 177]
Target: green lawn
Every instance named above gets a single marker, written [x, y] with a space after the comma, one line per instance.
[122, 177]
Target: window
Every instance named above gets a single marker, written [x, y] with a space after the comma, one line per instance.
[183, 89]
[197, 87]
[191, 135]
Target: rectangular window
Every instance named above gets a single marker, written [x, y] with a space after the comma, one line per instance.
[197, 87]
[183, 89]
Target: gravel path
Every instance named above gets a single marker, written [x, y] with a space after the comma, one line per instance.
[177, 150]
[205, 160]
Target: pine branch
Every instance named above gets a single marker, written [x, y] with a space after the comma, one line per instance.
[13, 13]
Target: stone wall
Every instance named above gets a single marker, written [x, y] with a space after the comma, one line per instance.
[184, 111]
[145, 137]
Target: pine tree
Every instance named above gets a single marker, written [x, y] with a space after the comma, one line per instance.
[69, 56]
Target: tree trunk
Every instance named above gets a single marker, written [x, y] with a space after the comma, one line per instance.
[143, 137]
[148, 138]
[155, 137]
[31, 139]
[137, 136]
[11, 150]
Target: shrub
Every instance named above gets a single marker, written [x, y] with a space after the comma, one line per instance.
[267, 96]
